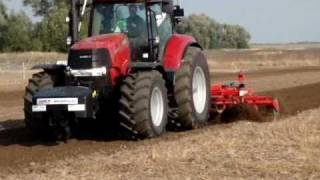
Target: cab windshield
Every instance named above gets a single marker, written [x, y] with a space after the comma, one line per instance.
[128, 18]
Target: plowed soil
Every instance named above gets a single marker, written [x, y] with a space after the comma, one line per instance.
[19, 150]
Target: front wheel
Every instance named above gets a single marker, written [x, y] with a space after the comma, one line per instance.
[144, 105]
[192, 90]
[39, 126]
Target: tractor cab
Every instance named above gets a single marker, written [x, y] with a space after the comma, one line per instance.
[148, 24]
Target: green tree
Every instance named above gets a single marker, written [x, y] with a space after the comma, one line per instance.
[211, 34]
[200, 27]
[3, 22]
[16, 33]
[242, 37]
[52, 30]
[228, 39]
[3, 13]
[45, 7]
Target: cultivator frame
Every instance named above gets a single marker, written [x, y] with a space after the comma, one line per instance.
[224, 96]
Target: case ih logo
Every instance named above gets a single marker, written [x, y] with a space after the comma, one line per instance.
[57, 101]
[43, 101]
[86, 57]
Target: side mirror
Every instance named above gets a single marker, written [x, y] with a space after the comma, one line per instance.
[168, 8]
[178, 12]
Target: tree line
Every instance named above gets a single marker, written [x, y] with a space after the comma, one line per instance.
[19, 33]
[213, 35]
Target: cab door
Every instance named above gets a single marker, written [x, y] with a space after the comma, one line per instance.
[162, 30]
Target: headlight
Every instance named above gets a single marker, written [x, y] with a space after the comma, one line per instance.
[95, 72]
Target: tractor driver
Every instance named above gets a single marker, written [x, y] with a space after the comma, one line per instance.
[137, 33]
[136, 25]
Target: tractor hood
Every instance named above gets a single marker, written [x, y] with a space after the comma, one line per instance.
[99, 51]
[109, 41]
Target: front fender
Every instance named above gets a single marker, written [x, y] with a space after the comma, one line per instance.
[49, 67]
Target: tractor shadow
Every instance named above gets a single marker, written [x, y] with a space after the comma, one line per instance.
[14, 132]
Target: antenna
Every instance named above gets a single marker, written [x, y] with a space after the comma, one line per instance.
[82, 13]
[84, 7]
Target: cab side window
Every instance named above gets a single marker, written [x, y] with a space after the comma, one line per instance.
[164, 28]
[165, 33]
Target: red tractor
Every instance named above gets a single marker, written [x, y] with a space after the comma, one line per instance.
[132, 67]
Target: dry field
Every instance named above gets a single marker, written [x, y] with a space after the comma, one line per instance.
[286, 149]
[15, 61]
[262, 59]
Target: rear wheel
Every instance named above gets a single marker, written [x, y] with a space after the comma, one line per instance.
[191, 90]
[143, 105]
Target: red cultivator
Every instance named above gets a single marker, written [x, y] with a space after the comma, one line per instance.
[224, 96]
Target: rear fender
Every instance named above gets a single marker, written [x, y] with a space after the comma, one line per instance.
[175, 51]
[174, 54]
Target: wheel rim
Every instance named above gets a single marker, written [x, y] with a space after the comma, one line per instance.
[157, 107]
[199, 90]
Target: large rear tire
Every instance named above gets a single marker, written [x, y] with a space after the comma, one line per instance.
[39, 126]
[143, 105]
[192, 91]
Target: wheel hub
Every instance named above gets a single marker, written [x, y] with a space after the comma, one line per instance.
[157, 107]
[199, 90]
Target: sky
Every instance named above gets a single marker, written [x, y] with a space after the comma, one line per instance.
[268, 21]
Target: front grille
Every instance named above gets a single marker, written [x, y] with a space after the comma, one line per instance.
[88, 59]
